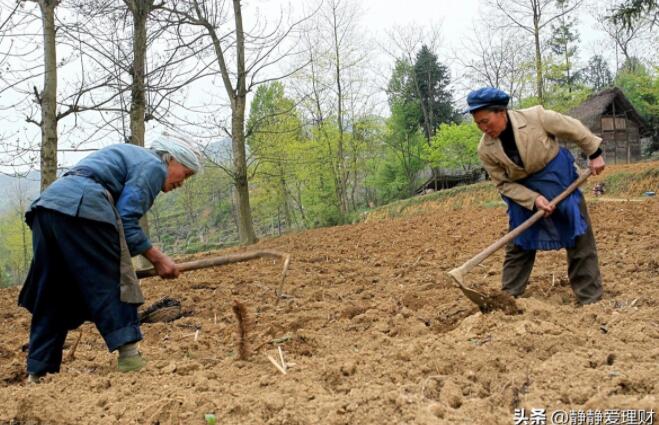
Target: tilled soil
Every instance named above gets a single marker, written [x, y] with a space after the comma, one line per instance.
[375, 333]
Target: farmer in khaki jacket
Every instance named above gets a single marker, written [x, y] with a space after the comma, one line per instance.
[520, 151]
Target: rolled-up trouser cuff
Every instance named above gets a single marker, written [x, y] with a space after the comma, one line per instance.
[121, 336]
[39, 368]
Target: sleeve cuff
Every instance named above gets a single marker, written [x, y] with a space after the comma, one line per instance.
[140, 247]
[595, 154]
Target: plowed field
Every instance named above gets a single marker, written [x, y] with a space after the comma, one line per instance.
[375, 331]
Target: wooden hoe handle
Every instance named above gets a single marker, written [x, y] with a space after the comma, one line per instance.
[222, 260]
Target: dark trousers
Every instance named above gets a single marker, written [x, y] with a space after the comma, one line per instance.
[583, 267]
[74, 277]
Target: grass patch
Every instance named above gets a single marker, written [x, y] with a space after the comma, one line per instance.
[454, 198]
[624, 180]
[630, 184]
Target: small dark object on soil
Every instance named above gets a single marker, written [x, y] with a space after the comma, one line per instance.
[164, 310]
[501, 301]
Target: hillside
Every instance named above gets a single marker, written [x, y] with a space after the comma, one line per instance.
[11, 188]
[376, 330]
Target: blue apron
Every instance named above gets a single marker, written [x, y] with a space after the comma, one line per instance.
[566, 223]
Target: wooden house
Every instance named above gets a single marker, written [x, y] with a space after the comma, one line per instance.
[611, 116]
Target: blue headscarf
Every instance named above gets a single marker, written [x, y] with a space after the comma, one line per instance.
[177, 147]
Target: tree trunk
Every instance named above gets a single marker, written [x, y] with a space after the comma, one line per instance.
[567, 66]
[538, 61]
[140, 12]
[342, 173]
[49, 96]
[424, 110]
[288, 219]
[245, 224]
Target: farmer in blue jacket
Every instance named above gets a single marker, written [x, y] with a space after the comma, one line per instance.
[85, 227]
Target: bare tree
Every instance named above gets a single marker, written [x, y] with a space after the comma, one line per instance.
[500, 59]
[241, 59]
[336, 91]
[47, 98]
[626, 36]
[339, 18]
[533, 16]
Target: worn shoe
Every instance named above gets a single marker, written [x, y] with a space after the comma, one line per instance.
[131, 363]
[33, 378]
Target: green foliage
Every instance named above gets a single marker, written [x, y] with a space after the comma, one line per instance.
[433, 93]
[275, 132]
[562, 44]
[394, 176]
[196, 217]
[528, 102]
[419, 100]
[561, 99]
[597, 75]
[393, 173]
[401, 88]
[642, 89]
[306, 179]
[629, 12]
[15, 249]
[454, 147]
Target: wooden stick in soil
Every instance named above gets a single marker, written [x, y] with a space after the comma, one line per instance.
[281, 358]
[274, 362]
[71, 356]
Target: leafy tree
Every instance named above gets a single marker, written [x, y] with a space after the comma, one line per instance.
[404, 143]
[432, 80]
[455, 147]
[597, 74]
[533, 16]
[642, 89]
[15, 254]
[317, 185]
[631, 11]
[561, 99]
[273, 129]
[396, 170]
[562, 43]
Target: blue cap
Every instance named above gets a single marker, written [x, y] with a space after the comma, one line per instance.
[486, 96]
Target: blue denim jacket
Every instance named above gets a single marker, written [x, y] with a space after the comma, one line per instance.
[133, 175]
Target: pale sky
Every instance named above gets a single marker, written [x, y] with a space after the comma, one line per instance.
[455, 16]
[457, 19]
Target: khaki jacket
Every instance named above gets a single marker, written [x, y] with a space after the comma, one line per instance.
[536, 132]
